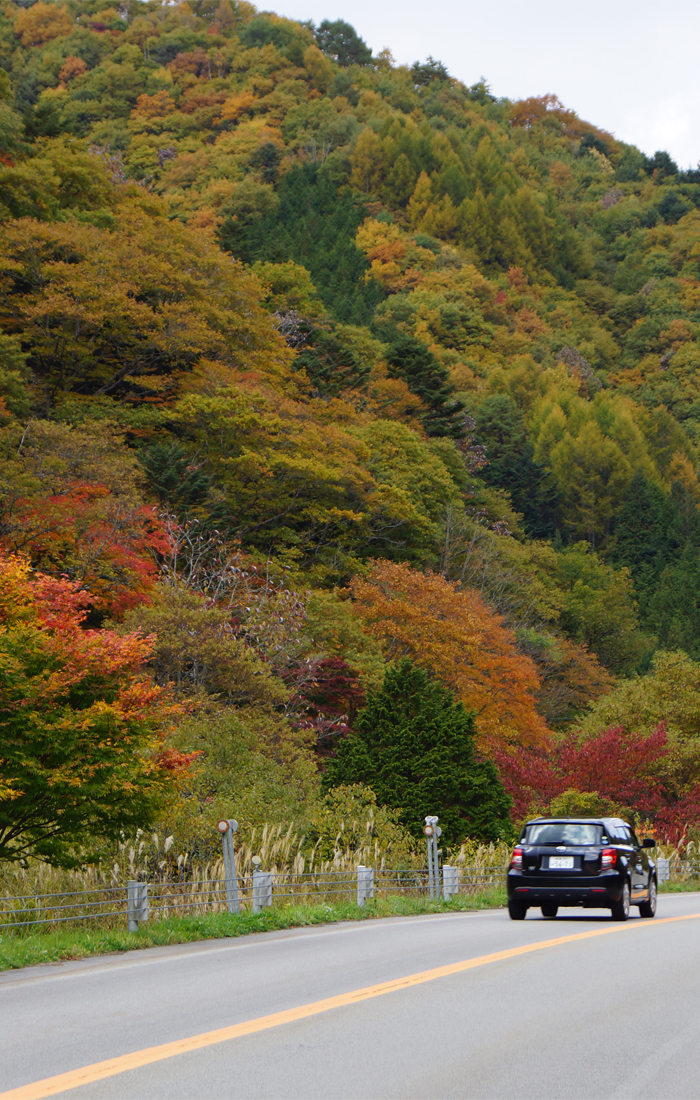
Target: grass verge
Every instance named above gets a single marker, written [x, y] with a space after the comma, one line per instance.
[30, 949]
[679, 887]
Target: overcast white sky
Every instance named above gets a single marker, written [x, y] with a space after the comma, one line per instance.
[630, 66]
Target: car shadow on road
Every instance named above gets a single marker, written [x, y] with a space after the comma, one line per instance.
[574, 918]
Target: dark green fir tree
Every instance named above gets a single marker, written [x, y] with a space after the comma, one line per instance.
[500, 427]
[658, 538]
[410, 360]
[414, 746]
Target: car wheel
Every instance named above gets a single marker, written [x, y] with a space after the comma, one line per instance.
[648, 908]
[621, 908]
[517, 909]
[549, 909]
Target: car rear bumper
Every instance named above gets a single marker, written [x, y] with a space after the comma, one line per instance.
[591, 895]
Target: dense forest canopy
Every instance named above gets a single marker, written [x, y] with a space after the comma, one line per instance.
[312, 363]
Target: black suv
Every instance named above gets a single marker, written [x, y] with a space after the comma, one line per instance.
[596, 862]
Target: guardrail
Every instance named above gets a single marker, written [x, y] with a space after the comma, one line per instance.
[28, 910]
[683, 870]
[135, 902]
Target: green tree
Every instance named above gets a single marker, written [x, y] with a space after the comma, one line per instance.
[252, 765]
[658, 538]
[196, 651]
[599, 609]
[314, 224]
[176, 480]
[331, 365]
[414, 745]
[673, 608]
[592, 473]
[401, 181]
[413, 362]
[500, 428]
[341, 41]
[641, 533]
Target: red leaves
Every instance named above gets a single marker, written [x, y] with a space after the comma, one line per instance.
[624, 768]
[81, 724]
[110, 545]
[174, 761]
[327, 696]
[50, 613]
[620, 766]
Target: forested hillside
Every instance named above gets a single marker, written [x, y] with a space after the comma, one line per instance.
[328, 383]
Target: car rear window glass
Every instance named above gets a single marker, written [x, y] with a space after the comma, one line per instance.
[562, 832]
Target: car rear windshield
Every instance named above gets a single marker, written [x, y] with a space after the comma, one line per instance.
[562, 832]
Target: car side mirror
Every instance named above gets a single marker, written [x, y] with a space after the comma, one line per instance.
[649, 842]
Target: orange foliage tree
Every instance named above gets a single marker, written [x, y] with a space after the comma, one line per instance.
[460, 640]
[81, 752]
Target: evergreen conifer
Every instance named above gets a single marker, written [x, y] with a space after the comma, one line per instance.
[314, 223]
[410, 360]
[414, 746]
[500, 427]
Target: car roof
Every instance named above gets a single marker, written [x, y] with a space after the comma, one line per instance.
[577, 821]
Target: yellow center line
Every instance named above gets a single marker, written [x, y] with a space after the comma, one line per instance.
[50, 1086]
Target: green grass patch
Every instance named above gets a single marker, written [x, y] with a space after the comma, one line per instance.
[21, 949]
[679, 887]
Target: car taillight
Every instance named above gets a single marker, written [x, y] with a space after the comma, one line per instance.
[608, 858]
[516, 860]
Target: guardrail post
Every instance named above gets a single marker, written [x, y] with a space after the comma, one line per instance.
[262, 890]
[365, 884]
[663, 870]
[136, 903]
[450, 882]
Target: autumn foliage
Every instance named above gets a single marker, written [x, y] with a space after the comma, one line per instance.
[418, 366]
[110, 547]
[79, 736]
[627, 770]
[453, 634]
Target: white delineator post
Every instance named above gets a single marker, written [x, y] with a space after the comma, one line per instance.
[136, 904]
[365, 884]
[227, 828]
[262, 889]
[450, 882]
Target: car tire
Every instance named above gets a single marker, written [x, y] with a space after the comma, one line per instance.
[621, 908]
[549, 909]
[648, 908]
[517, 909]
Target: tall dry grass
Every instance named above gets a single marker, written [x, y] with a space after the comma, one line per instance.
[302, 872]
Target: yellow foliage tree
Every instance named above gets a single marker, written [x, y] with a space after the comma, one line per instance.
[41, 23]
[366, 163]
[319, 69]
[102, 311]
[420, 201]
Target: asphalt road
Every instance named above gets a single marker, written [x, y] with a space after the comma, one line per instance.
[609, 1015]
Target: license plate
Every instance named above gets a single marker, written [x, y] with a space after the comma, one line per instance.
[561, 863]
